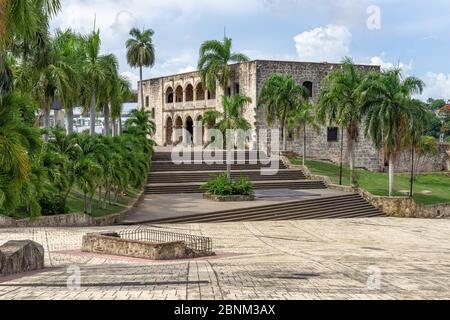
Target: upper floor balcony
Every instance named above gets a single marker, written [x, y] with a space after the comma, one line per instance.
[188, 97]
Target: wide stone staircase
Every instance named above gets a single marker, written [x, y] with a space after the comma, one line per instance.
[167, 177]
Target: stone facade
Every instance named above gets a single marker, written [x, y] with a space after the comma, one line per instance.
[179, 101]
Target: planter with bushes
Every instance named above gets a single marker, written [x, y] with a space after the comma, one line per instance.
[223, 189]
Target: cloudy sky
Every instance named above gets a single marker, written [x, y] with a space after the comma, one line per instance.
[413, 34]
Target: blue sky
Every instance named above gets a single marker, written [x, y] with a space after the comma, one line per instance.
[414, 34]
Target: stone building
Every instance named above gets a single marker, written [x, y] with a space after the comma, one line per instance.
[179, 102]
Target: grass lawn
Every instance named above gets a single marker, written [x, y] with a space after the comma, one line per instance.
[75, 203]
[377, 183]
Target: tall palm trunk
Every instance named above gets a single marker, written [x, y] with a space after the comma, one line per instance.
[142, 87]
[351, 153]
[283, 132]
[391, 175]
[92, 113]
[114, 127]
[70, 121]
[119, 127]
[304, 145]
[106, 115]
[46, 116]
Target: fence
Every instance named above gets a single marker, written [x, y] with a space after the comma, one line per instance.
[198, 243]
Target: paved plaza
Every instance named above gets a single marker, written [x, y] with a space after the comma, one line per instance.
[377, 258]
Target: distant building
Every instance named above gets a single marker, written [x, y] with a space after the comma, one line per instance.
[82, 122]
[444, 112]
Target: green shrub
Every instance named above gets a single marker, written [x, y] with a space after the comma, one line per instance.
[222, 186]
[52, 205]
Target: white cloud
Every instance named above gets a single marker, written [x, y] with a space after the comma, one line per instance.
[385, 65]
[330, 43]
[132, 77]
[437, 86]
[187, 69]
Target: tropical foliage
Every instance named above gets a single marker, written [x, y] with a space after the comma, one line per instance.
[40, 71]
[281, 95]
[141, 52]
[224, 186]
[392, 116]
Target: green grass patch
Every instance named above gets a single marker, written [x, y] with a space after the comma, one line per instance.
[75, 203]
[378, 183]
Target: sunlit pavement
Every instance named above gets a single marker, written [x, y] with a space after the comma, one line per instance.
[378, 258]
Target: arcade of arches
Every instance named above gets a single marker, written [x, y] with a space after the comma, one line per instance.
[185, 131]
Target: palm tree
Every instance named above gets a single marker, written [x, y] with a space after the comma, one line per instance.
[52, 75]
[390, 112]
[141, 53]
[339, 104]
[214, 66]
[302, 117]
[121, 93]
[107, 88]
[21, 19]
[18, 142]
[71, 45]
[140, 123]
[232, 120]
[281, 95]
[96, 69]
[214, 63]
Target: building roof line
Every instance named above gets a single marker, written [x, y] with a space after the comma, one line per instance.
[262, 60]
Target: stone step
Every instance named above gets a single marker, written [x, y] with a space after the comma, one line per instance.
[346, 206]
[195, 187]
[203, 176]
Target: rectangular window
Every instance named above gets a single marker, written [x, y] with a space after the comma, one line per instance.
[153, 113]
[332, 134]
[147, 101]
[228, 93]
[236, 88]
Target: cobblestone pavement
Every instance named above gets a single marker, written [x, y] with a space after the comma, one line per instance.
[381, 258]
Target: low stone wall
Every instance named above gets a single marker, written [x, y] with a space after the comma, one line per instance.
[68, 220]
[404, 207]
[236, 198]
[98, 243]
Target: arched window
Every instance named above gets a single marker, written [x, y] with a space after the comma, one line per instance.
[309, 86]
[169, 95]
[179, 94]
[189, 93]
[199, 92]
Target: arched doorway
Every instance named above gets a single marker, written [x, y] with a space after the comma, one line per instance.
[178, 131]
[169, 95]
[201, 132]
[179, 94]
[190, 129]
[199, 92]
[189, 93]
[169, 131]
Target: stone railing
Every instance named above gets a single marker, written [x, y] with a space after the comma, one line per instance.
[68, 220]
[392, 206]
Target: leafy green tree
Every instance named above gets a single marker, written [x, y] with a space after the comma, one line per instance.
[19, 142]
[280, 96]
[300, 118]
[96, 68]
[121, 93]
[339, 103]
[107, 89]
[435, 104]
[232, 118]
[141, 53]
[214, 67]
[390, 113]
